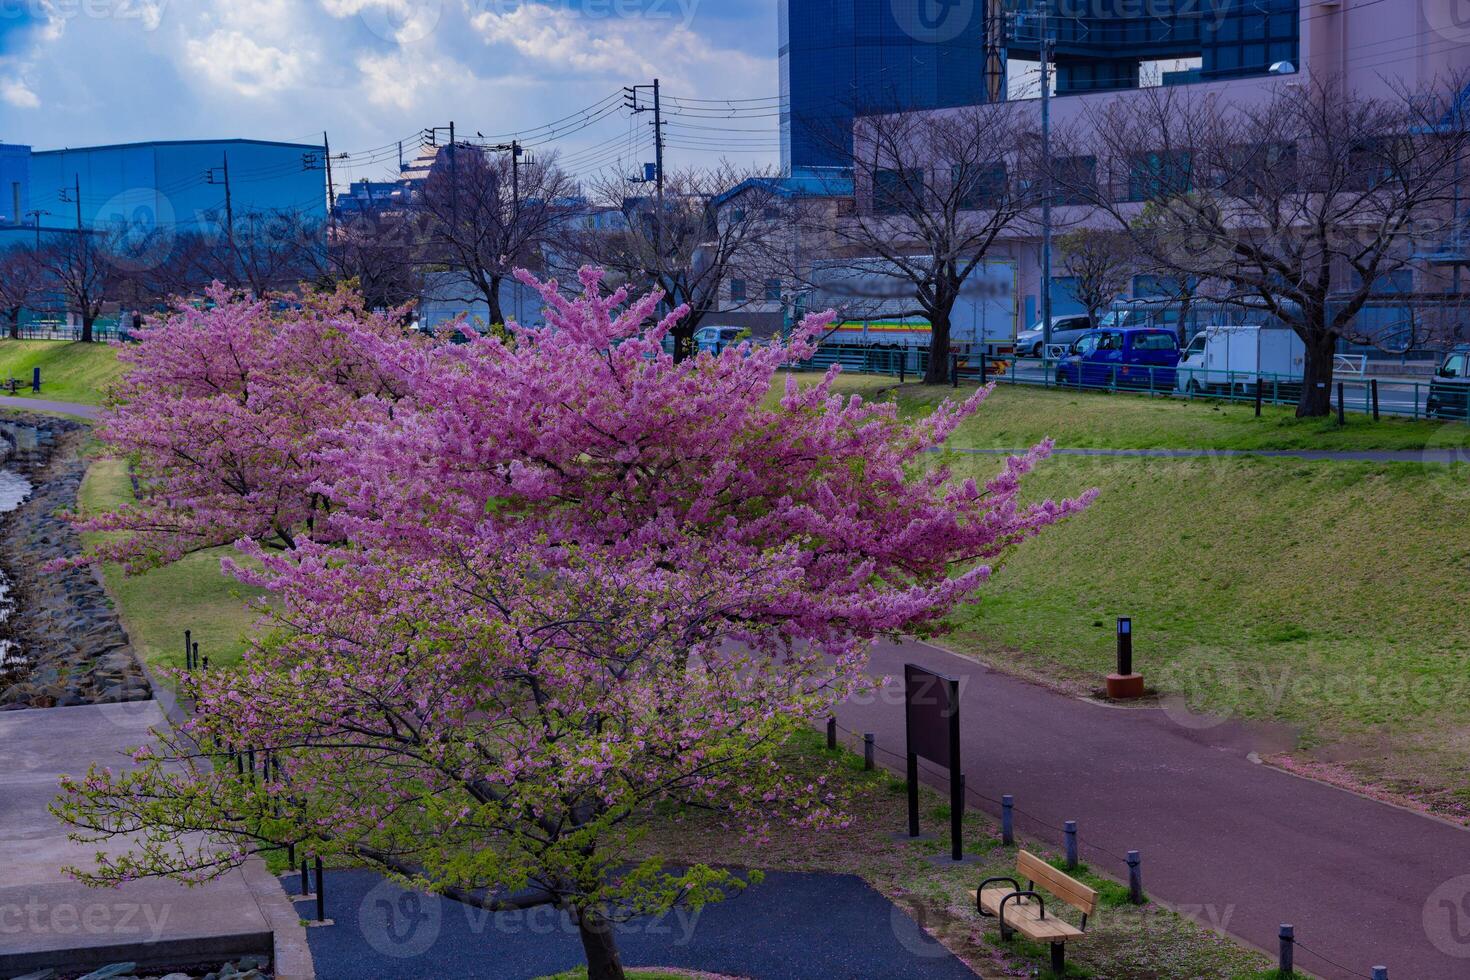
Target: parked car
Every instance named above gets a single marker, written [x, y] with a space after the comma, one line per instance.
[1064, 330]
[1449, 392]
[716, 339]
[1141, 357]
[1228, 359]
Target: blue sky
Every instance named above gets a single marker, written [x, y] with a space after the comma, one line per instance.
[81, 72]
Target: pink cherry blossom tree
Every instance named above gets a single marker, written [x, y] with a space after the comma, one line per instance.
[223, 413]
[568, 584]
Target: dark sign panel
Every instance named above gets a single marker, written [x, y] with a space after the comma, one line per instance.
[931, 715]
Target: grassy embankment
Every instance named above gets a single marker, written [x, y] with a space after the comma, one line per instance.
[1327, 595]
[159, 605]
[70, 372]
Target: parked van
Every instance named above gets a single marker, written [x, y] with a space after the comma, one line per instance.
[1449, 392]
[1064, 330]
[1139, 357]
[1227, 359]
[716, 339]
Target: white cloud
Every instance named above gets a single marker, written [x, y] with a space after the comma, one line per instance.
[16, 92]
[231, 60]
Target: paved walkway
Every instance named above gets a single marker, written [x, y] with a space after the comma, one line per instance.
[1244, 846]
[43, 405]
[49, 920]
[789, 927]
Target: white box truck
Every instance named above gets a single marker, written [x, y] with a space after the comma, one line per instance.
[1227, 359]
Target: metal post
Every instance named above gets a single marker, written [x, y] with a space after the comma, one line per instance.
[1380, 973]
[1044, 45]
[196, 656]
[188, 655]
[1007, 820]
[36, 380]
[957, 816]
[913, 780]
[903, 366]
[1135, 879]
[1341, 407]
[831, 733]
[305, 879]
[1373, 388]
[1125, 646]
[954, 370]
[1258, 397]
[1070, 830]
[205, 664]
[984, 367]
[321, 903]
[868, 751]
[1287, 951]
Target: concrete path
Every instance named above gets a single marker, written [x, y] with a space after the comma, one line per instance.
[43, 405]
[49, 920]
[789, 927]
[1243, 846]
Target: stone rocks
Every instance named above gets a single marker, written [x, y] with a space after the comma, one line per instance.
[73, 650]
[245, 968]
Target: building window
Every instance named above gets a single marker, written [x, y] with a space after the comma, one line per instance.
[981, 185]
[773, 290]
[737, 290]
[895, 191]
[1074, 179]
[1157, 174]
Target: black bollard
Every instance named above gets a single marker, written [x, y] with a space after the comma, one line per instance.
[305, 878]
[1007, 819]
[1287, 936]
[321, 902]
[1341, 406]
[831, 733]
[1258, 397]
[1373, 387]
[1135, 879]
[868, 751]
[1069, 830]
[188, 652]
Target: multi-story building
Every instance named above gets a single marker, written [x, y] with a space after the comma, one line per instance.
[842, 58]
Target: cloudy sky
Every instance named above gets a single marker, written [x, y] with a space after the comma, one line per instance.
[371, 72]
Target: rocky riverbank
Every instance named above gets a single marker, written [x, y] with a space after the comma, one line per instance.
[71, 647]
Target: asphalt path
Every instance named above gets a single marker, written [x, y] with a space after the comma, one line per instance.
[788, 927]
[1236, 844]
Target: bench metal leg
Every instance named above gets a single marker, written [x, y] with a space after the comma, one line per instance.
[1059, 958]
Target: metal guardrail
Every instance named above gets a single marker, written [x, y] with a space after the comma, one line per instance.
[1353, 393]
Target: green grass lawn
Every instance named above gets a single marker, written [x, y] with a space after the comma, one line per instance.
[70, 372]
[1329, 596]
[159, 605]
[1016, 416]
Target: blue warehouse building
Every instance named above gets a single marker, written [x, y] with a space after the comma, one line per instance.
[175, 187]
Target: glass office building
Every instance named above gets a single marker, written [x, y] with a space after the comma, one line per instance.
[843, 58]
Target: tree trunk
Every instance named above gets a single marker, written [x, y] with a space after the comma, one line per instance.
[937, 372]
[492, 300]
[1316, 398]
[15, 323]
[601, 947]
[683, 342]
[87, 321]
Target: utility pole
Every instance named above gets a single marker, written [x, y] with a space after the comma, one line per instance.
[632, 103]
[36, 215]
[331, 187]
[1045, 47]
[453, 178]
[515, 149]
[224, 171]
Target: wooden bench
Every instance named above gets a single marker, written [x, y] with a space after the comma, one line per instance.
[1023, 910]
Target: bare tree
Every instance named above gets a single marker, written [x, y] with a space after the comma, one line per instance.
[265, 250]
[1100, 265]
[1299, 207]
[934, 194]
[78, 268]
[691, 249]
[21, 283]
[379, 253]
[485, 213]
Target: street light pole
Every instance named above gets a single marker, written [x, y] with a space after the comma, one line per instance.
[1045, 48]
